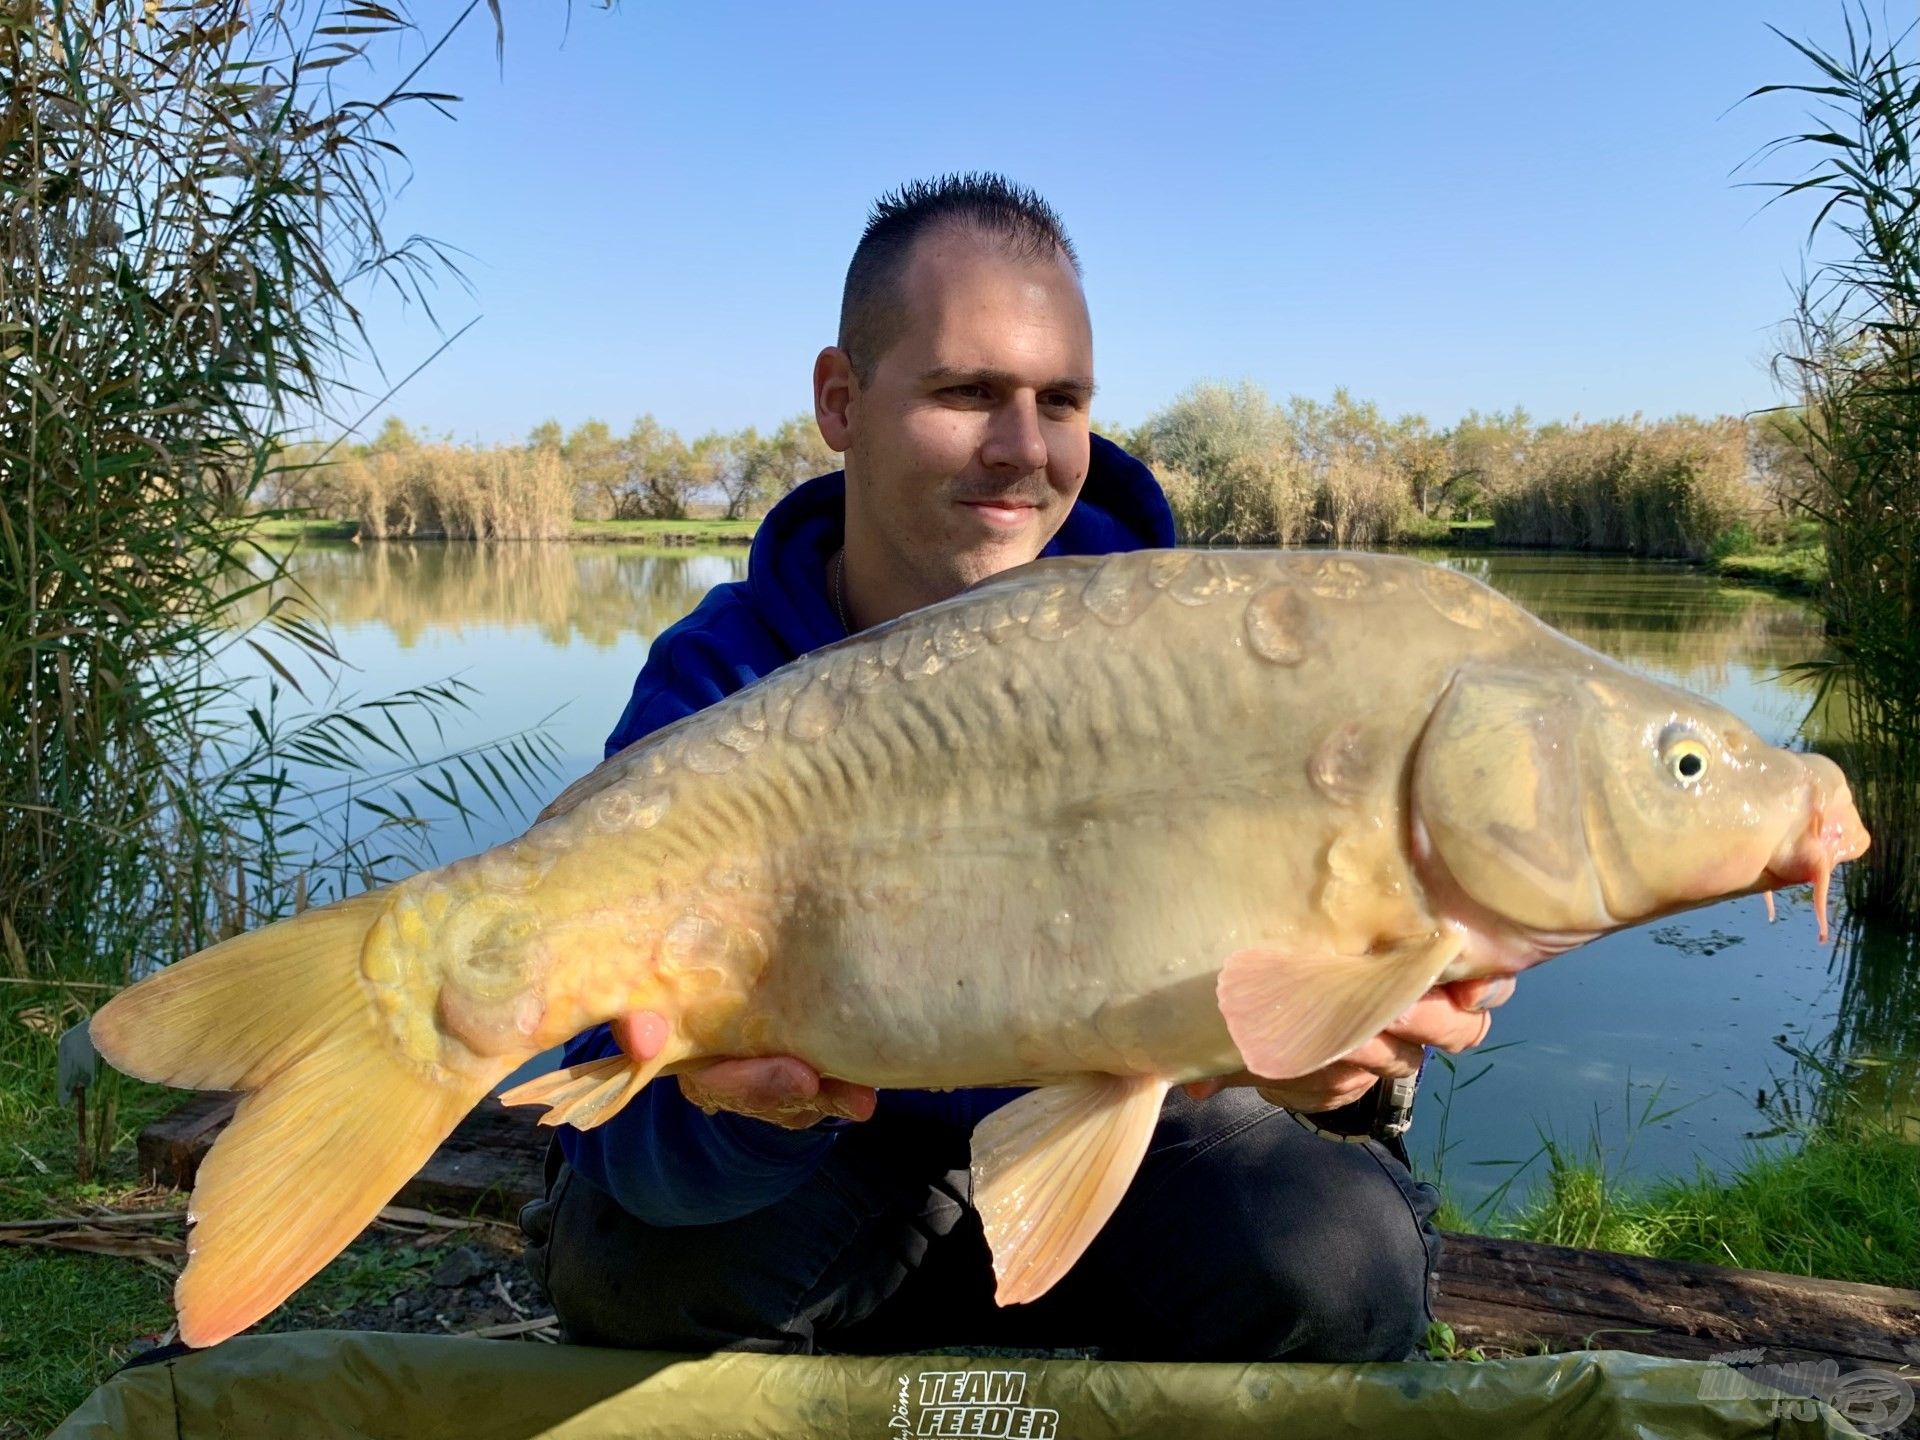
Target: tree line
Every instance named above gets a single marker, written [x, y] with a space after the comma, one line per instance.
[1238, 467]
[1242, 468]
[406, 482]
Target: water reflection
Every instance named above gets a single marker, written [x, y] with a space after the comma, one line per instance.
[1871, 1060]
[1666, 619]
[594, 593]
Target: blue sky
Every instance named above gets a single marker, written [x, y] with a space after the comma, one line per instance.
[1441, 207]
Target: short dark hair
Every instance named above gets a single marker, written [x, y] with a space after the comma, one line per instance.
[871, 307]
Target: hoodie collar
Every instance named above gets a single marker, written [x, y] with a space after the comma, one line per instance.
[1121, 507]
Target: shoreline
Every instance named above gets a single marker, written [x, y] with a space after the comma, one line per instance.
[1797, 571]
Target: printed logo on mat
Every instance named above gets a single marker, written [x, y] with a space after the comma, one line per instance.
[1873, 1401]
[985, 1403]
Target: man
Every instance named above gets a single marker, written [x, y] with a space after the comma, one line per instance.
[755, 1204]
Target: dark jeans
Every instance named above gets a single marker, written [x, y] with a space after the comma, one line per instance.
[1244, 1237]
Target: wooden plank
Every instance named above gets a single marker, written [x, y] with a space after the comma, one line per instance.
[1507, 1293]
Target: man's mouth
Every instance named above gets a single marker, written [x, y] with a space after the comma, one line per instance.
[1006, 514]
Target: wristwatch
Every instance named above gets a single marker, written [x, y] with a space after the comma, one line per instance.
[1384, 1113]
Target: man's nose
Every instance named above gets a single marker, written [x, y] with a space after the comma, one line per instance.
[1013, 440]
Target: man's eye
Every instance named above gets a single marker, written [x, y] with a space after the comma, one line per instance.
[968, 392]
[1063, 402]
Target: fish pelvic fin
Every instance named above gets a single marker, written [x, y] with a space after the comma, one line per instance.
[1049, 1170]
[338, 1118]
[592, 1093]
[1291, 1012]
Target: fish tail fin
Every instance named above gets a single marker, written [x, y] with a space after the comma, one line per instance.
[336, 1121]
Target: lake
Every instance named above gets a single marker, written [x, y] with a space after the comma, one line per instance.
[1698, 1015]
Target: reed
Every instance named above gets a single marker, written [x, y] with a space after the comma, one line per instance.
[155, 340]
[1667, 489]
[1853, 368]
[1239, 469]
[451, 492]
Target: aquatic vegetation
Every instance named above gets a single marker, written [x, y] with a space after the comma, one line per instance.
[1669, 489]
[158, 342]
[1853, 368]
[458, 492]
[1242, 469]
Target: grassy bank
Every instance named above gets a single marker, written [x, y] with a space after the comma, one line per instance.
[1791, 570]
[1841, 1207]
[667, 532]
[70, 1318]
[635, 532]
[67, 1320]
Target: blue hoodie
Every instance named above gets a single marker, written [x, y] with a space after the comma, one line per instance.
[661, 1158]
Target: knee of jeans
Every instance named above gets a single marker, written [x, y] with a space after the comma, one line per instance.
[1345, 1283]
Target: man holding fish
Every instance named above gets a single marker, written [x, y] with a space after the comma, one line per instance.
[758, 1204]
[1035, 875]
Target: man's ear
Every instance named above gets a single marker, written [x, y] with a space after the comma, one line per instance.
[835, 390]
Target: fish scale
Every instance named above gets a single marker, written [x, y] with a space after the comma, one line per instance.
[1097, 826]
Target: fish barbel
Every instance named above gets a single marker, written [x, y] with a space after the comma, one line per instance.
[1097, 826]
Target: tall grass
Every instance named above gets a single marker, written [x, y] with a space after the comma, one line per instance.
[1241, 469]
[1854, 371]
[1668, 489]
[458, 493]
[185, 194]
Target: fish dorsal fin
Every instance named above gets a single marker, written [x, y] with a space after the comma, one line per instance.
[1292, 1011]
[1049, 1169]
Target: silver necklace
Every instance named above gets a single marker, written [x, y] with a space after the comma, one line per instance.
[839, 592]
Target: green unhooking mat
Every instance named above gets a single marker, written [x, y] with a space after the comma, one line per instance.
[325, 1384]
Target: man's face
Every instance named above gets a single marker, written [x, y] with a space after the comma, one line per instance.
[968, 446]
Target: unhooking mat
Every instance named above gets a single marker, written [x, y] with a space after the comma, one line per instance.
[328, 1384]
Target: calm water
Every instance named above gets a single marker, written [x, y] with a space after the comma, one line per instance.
[1694, 1014]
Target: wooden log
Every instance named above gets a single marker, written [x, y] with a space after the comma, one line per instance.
[1517, 1295]
[1512, 1294]
[490, 1165]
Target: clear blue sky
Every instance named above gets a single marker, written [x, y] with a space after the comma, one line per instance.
[1441, 207]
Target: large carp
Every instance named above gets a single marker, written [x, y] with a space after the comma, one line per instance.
[1098, 826]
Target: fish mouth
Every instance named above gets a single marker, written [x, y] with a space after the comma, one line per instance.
[1833, 834]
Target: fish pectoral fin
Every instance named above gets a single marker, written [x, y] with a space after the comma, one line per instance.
[592, 1093]
[1291, 1012]
[1049, 1169]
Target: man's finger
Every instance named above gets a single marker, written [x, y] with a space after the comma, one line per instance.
[1386, 1056]
[641, 1033]
[1482, 994]
[752, 1085]
[1436, 1020]
[846, 1099]
[779, 1088]
[1328, 1088]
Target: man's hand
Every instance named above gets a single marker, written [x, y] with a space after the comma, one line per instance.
[776, 1088]
[1452, 1017]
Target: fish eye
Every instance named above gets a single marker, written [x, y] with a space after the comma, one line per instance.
[1685, 759]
